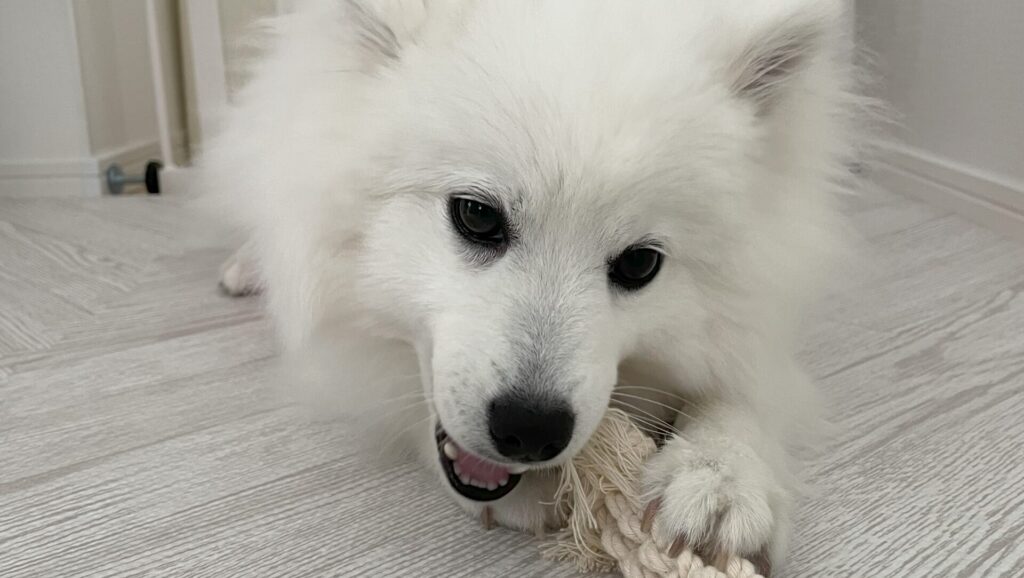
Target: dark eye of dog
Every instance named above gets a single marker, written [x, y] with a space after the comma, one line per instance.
[635, 267]
[476, 221]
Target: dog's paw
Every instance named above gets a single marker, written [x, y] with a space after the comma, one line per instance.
[239, 275]
[719, 499]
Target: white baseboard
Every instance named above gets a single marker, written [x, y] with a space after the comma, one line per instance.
[83, 177]
[50, 186]
[990, 201]
[50, 178]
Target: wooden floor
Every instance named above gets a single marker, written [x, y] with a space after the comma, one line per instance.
[138, 435]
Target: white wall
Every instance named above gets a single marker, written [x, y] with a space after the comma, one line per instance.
[43, 126]
[78, 93]
[954, 73]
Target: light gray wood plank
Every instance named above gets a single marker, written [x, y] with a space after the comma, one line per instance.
[928, 452]
[267, 494]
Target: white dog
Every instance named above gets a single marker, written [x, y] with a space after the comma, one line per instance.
[520, 212]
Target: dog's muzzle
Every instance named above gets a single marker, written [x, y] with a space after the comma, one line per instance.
[470, 475]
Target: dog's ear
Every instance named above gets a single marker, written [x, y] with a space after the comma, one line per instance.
[766, 68]
[384, 28]
[372, 31]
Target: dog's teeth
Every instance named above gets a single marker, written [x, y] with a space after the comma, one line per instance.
[492, 486]
[466, 480]
[450, 451]
[458, 470]
[517, 469]
[503, 482]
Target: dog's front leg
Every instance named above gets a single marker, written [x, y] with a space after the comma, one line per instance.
[722, 487]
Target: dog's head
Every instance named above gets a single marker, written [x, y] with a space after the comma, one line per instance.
[566, 188]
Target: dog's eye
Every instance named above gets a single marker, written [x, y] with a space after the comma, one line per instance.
[635, 267]
[477, 221]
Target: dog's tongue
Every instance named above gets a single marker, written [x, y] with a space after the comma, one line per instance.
[479, 469]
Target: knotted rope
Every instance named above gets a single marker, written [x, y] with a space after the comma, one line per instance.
[599, 498]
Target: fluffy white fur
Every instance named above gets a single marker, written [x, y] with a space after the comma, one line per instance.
[718, 127]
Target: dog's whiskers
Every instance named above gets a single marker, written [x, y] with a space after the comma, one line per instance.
[620, 395]
[655, 390]
[392, 439]
[428, 398]
[651, 421]
[400, 379]
[408, 408]
[650, 428]
[405, 396]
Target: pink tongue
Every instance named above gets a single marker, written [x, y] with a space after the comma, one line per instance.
[480, 469]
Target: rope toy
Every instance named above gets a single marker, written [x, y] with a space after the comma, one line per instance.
[599, 498]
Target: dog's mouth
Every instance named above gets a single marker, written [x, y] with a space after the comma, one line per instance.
[472, 476]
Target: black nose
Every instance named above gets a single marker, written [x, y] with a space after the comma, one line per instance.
[530, 430]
